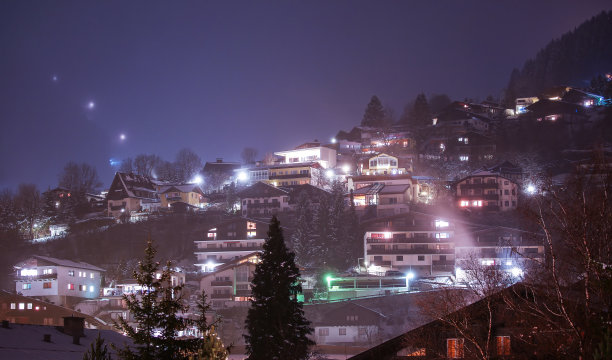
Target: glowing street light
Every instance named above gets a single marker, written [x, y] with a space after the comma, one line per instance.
[198, 179]
[516, 272]
[329, 279]
[329, 173]
[243, 176]
[531, 189]
[346, 168]
[409, 277]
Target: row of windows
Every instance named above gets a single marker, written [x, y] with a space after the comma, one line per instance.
[454, 347]
[28, 286]
[362, 331]
[81, 287]
[82, 274]
[24, 306]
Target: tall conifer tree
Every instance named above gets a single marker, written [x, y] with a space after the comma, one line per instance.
[277, 328]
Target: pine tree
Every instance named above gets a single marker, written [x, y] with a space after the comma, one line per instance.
[337, 231]
[277, 328]
[209, 347]
[302, 237]
[155, 310]
[420, 116]
[320, 243]
[374, 113]
[97, 350]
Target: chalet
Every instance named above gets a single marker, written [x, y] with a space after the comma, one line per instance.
[219, 173]
[189, 194]
[262, 199]
[131, 195]
[345, 323]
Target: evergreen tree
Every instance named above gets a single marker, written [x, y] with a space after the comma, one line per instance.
[321, 234]
[337, 231]
[354, 236]
[302, 237]
[210, 347]
[97, 350]
[420, 116]
[374, 113]
[156, 313]
[277, 328]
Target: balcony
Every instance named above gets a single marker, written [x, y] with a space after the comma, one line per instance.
[479, 197]
[380, 263]
[478, 186]
[221, 283]
[230, 249]
[410, 251]
[37, 277]
[274, 205]
[243, 292]
[117, 207]
[289, 176]
[411, 240]
[221, 296]
[174, 198]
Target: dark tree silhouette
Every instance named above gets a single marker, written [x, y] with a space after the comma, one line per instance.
[277, 328]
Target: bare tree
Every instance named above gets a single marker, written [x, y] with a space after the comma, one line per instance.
[145, 165]
[188, 164]
[81, 178]
[127, 166]
[29, 203]
[248, 155]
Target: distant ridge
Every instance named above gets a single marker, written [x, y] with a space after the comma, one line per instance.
[574, 59]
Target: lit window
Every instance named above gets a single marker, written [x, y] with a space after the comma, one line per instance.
[48, 271]
[477, 203]
[21, 306]
[442, 236]
[27, 286]
[442, 224]
[29, 306]
[251, 225]
[91, 288]
[488, 262]
[70, 272]
[454, 348]
[70, 286]
[91, 275]
[46, 285]
[464, 158]
[464, 203]
[251, 234]
[13, 306]
[503, 345]
[211, 234]
[29, 272]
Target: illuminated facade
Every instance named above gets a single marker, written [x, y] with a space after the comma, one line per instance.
[310, 152]
[228, 241]
[230, 284]
[486, 190]
[186, 193]
[62, 282]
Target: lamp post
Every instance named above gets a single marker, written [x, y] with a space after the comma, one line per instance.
[409, 277]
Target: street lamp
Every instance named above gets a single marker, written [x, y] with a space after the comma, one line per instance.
[409, 277]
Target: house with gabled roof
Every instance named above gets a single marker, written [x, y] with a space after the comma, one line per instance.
[345, 323]
[189, 194]
[131, 194]
[262, 199]
[230, 284]
[58, 281]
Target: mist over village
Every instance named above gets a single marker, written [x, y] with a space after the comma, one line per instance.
[347, 180]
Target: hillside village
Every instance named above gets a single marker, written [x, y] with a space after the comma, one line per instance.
[383, 218]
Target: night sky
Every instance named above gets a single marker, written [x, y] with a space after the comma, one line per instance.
[219, 76]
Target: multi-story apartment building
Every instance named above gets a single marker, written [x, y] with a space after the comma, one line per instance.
[132, 195]
[262, 199]
[498, 248]
[414, 242]
[486, 190]
[61, 282]
[296, 174]
[310, 152]
[230, 240]
[230, 284]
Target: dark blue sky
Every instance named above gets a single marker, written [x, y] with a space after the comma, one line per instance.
[219, 76]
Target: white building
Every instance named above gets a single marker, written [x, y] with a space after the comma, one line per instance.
[61, 282]
[417, 243]
[230, 284]
[325, 156]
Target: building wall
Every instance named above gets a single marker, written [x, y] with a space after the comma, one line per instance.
[492, 193]
[354, 334]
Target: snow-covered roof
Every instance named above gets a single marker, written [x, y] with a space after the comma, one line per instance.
[67, 263]
[25, 342]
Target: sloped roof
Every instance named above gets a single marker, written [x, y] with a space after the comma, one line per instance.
[67, 263]
[25, 342]
[263, 190]
[184, 188]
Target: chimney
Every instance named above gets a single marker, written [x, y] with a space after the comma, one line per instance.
[47, 338]
[74, 325]
[219, 160]
[5, 324]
